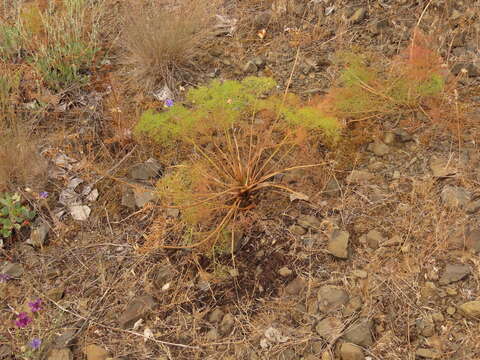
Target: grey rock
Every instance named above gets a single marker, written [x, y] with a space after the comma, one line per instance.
[373, 239]
[39, 234]
[359, 177]
[128, 199]
[332, 188]
[226, 326]
[389, 138]
[56, 293]
[427, 354]
[403, 135]
[285, 272]
[297, 230]
[250, 67]
[472, 240]
[295, 286]
[60, 354]
[426, 327]
[329, 328]
[354, 305]
[441, 167]
[259, 62]
[136, 310]
[148, 170]
[216, 315]
[14, 270]
[350, 351]
[212, 334]
[262, 19]
[309, 221]
[338, 244]
[360, 333]
[454, 273]
[358, 15]
[471, 69]
[470, 308]
[331, 298]
[379, 148]
[95, 352]
[173, 213]
[473, 207]
[65, 338]
[143, 196]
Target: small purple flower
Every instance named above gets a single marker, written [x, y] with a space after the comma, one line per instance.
[23, 320]
[4, 278]
[169, 103]
[35, 305]
[43, 194]
[35, 343]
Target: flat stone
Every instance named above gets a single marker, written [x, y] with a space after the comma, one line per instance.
[454, 273]
[329, 328]
[285, 272]
[471, 308]
[426, 327]
[441, 167]
[359, 177]
[354, 305]
[148, 170]
[428, 354]
[472, 241]
[309, 221]
[143, 196]
[212, 334]
[373, 239]
[95, 352]
[135, 310]
[338, 244]
[455, 197]
[298, 230]
[360, 333]
[331, 298]
[60, 354]
[379, 148]
[15, 270]
[226, 326]
[350, 351]
[295, 286]
[472, 207]
[361, 274]
[216, 315]
[39, 234]
[358, 15]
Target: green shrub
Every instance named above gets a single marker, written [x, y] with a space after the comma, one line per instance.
[13, 215]
[366, 89]
[241, 139]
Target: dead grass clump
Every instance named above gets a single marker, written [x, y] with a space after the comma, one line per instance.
[20, 162]
[161, 38]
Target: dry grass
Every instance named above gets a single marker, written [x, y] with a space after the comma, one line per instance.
[161, 38]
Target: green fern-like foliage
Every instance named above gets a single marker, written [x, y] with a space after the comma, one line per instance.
[211, 108]
[365, 90]
[219, 105]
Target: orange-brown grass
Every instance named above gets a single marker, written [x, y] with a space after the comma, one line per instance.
[162, 37]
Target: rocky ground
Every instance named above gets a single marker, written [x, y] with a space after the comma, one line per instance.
[381, 263]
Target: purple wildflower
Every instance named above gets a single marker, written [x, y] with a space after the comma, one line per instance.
[43, 194]
[35, 343]
[35, 305]
[23, 320]
[169, 103]
[4, 278]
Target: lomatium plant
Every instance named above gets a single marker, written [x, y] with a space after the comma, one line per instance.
[240, 137]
